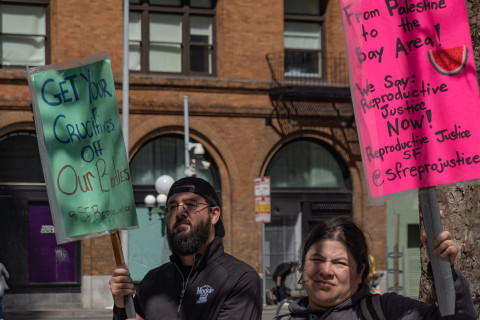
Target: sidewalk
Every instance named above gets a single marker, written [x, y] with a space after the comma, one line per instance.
[268, 313]
[59, 314]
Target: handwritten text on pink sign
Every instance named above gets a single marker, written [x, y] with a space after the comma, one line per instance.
[415, 92]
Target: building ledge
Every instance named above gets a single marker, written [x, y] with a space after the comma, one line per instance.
[210, 84]
[156, 82]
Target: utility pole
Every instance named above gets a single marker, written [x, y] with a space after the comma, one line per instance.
[187, 132]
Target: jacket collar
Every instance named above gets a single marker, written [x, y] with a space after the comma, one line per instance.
[213, 251]
[299, 307]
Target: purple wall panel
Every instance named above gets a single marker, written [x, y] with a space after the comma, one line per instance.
[48, 262]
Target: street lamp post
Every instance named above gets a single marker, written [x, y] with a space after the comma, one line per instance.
[157, 205]
[191, 165]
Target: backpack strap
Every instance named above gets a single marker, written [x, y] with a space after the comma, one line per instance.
[371, 308]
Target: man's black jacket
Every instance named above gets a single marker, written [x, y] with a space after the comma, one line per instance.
[219, 286]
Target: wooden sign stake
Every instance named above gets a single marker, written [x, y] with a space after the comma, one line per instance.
[442, 272]
[120, 261]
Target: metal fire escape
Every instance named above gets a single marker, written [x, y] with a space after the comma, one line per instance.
[304, 100]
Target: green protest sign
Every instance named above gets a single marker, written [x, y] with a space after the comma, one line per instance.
[82, 148]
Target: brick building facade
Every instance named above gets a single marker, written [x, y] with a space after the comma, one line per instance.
[228, 109]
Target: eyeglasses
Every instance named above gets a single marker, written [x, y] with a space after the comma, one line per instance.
[190, 207]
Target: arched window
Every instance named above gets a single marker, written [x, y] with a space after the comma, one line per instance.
[305, 164]
[166, 155]
[20, 159]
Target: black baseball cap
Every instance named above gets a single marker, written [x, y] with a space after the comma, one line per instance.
[202, 188]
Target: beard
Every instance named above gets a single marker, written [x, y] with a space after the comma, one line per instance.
[184, 243]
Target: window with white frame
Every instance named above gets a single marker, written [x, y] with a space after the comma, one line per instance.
[172, 36]
[134, 40]
[23, 33]
[303, 37]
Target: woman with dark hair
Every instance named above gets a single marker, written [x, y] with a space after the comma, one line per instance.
[335, 266]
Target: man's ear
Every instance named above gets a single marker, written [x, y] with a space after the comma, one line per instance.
[215, 215]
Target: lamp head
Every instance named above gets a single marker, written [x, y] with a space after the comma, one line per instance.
[163, 184]
[150, 201]
[162, 199]
[190, 171]
[199, 151]
[197, 147]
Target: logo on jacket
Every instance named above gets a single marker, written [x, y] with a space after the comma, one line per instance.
[203, 293]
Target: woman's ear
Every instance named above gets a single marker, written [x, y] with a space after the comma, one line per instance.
[361, 273]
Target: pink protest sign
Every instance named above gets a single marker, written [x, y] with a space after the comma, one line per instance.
[414, 91]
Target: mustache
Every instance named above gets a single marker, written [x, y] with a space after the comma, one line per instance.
[180, 221]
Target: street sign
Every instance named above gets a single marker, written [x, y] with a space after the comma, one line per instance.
[262, 200]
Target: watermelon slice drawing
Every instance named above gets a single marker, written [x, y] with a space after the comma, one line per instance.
[449, 62]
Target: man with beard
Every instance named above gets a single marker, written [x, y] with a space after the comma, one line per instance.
[201, 281]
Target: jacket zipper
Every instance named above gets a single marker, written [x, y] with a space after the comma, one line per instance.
[184, 283]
